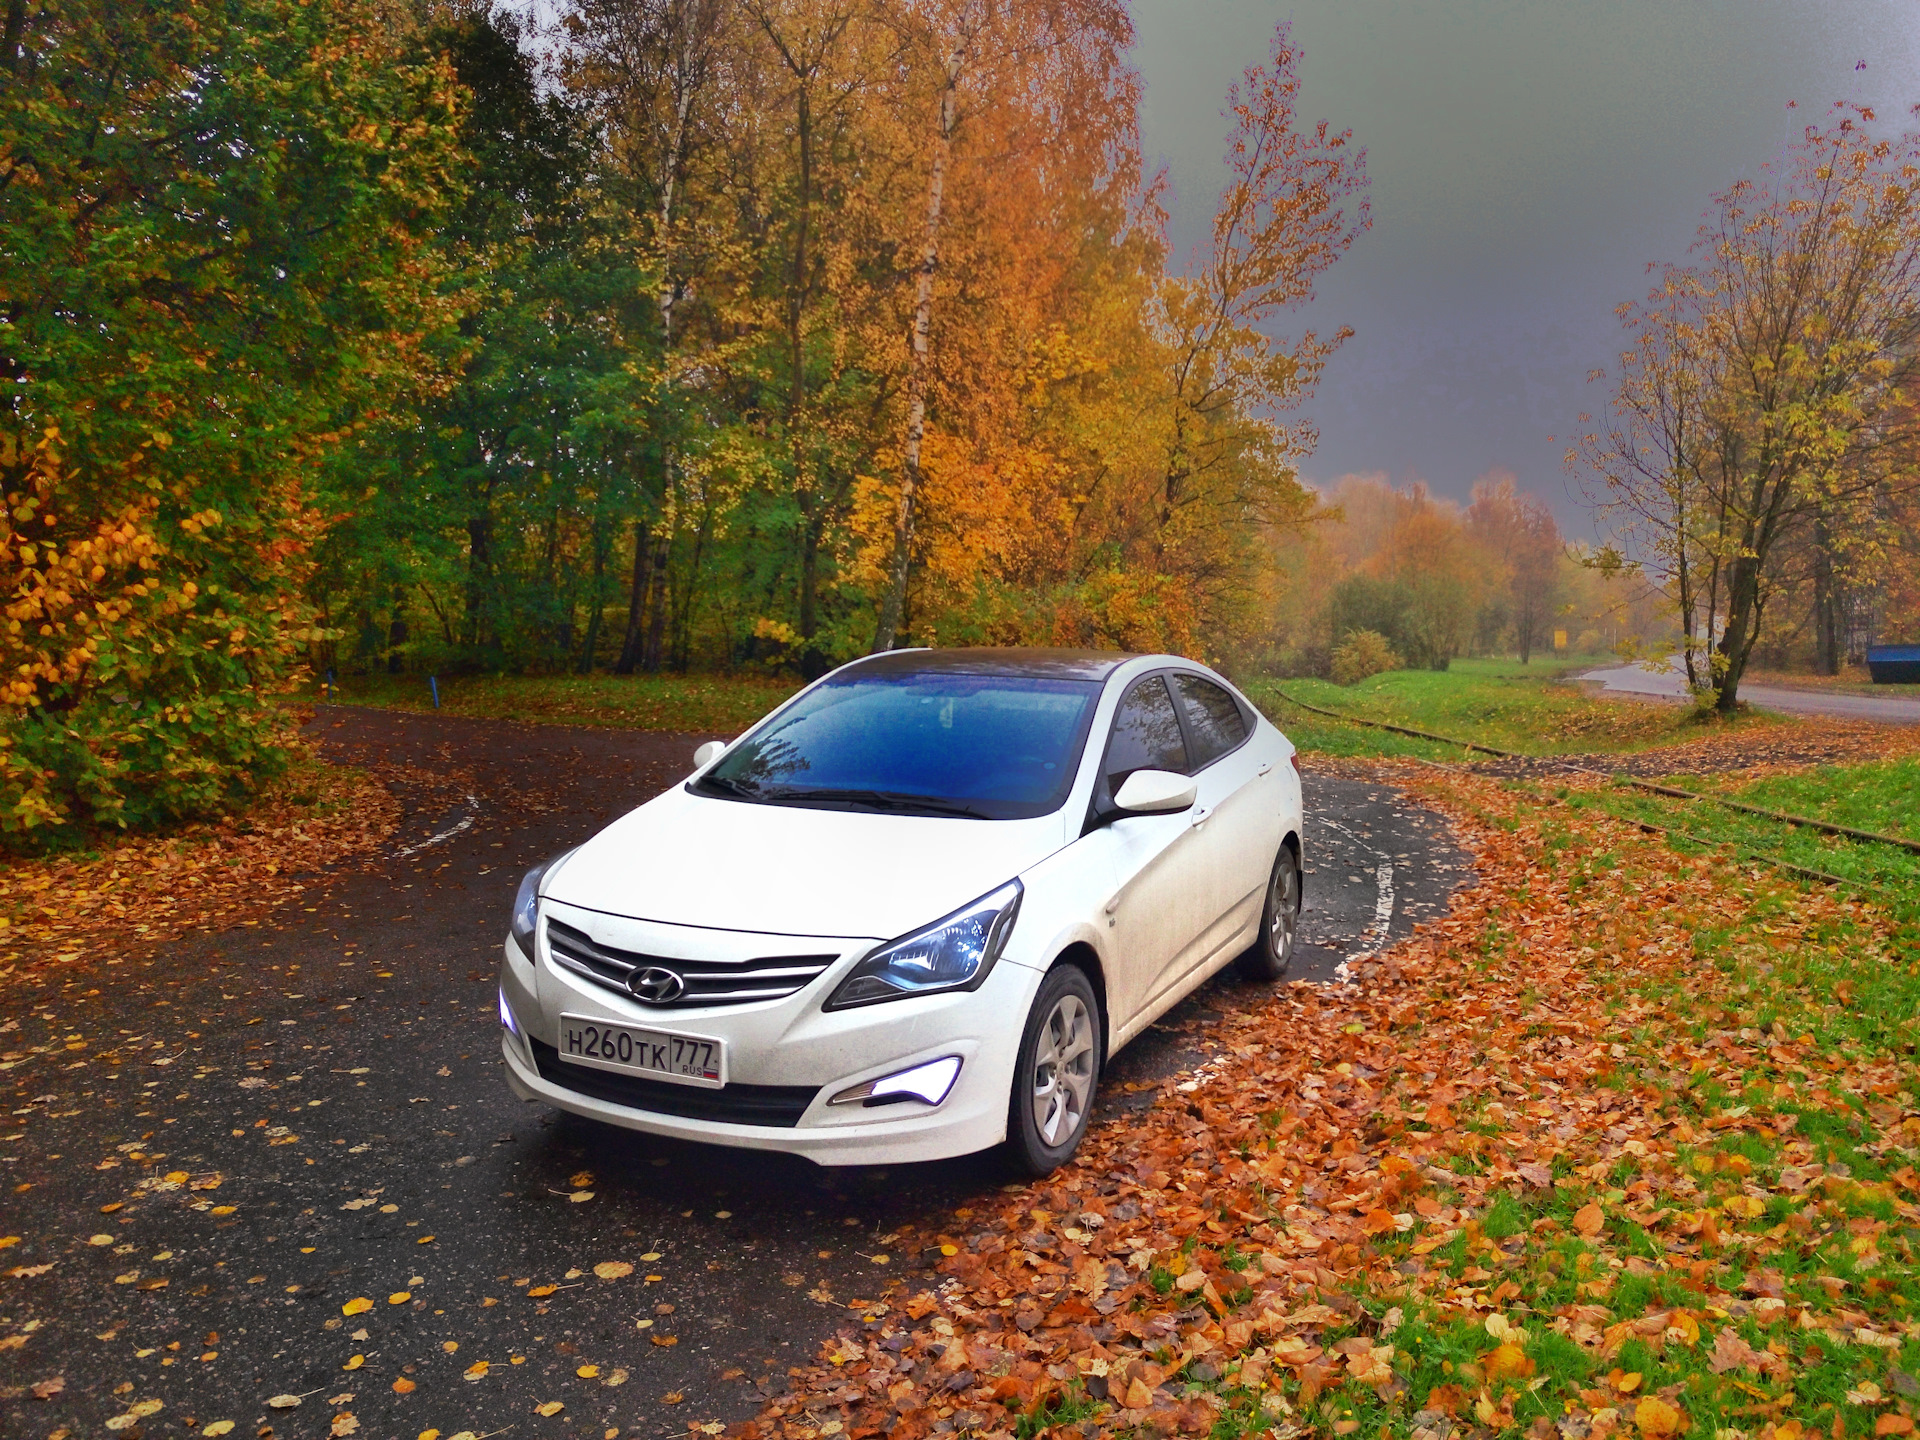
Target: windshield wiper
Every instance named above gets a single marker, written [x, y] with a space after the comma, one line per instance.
[726, 785]
[898, 801]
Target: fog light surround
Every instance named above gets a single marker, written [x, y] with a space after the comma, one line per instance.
[929, 1082]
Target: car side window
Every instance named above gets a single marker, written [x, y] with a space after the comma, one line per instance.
[1146, 734]
[1213, 718]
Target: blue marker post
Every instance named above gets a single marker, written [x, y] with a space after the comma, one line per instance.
[434, 681]
[329, 687]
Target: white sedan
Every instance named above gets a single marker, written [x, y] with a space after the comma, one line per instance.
[911, 913]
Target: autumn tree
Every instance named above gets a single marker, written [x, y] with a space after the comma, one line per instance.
[218, 266]
[1520, 539]
[1762, 395]
[651, 68]
[908, 365]
[1049, 72]
[1295, 201]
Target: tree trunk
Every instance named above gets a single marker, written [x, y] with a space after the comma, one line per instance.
[1743, 623]
[479, 573]
[16, 28]
[797, 380]
[397, 633]
[894, 604]
[597, 600]
[632, 642]
[1829, 642]
[657, 603]
[809, 571]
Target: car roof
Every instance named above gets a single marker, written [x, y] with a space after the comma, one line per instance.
[997, 660]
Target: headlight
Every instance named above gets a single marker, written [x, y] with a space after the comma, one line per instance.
[526, 902]
[951, 954]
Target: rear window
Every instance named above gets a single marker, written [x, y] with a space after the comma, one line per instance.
[993, 747]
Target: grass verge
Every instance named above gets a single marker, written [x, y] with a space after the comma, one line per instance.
[1533, 710]
[1624, 1145]
[687, 704]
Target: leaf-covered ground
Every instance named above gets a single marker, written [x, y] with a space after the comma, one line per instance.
[1623, 1145]
[146, 889]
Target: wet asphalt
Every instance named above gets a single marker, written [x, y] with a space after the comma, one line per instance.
[215, 1150]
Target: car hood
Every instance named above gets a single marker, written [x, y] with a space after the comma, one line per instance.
[685, 859]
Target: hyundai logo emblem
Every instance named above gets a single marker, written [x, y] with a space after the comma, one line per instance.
[656, 985]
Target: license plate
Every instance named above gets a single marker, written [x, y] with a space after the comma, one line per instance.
[609, 1045]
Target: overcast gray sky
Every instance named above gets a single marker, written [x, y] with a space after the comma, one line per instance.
[1528, 157]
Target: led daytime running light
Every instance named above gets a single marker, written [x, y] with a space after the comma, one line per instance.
[930, 1083]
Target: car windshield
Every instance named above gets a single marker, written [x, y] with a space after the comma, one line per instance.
[989, 747]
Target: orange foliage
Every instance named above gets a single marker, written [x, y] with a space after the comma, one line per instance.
[65, 599]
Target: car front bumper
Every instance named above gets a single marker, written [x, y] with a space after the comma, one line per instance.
[785, 1049]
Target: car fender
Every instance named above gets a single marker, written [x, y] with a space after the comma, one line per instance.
[1060, 911]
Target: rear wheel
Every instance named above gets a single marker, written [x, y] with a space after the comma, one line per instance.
[1270, 955]
[1057, 1073]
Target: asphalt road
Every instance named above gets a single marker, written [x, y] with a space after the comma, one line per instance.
[1835, 704]
[213, 1150]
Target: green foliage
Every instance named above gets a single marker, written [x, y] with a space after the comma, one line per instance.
[216, 267]
[1424, 618]
[457, 520]
[1362, 655]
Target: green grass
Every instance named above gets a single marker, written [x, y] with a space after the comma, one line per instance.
[686, 704]
[1884, 796]
[1880, 796]
[1532, 709]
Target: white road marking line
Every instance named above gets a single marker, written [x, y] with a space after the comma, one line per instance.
[1375, 935]
[459, 827]
[1383, 902]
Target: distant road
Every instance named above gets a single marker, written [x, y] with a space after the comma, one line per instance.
[1671, 684]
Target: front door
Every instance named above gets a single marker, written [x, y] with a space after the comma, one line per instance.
[1156, 912]
[1234, 823]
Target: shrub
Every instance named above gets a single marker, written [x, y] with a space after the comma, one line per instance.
[1363, 653]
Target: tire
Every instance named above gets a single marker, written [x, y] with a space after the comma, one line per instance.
[1267, 959]
[1057, 1073]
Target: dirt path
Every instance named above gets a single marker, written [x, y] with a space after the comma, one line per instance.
[328, 1086]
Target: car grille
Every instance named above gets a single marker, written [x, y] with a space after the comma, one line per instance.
[708, 982]
[780, 1105]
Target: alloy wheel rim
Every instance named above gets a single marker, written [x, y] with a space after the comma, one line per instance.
[1285, 910]
[1063, 1071]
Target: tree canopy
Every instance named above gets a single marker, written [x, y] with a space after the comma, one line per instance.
[688, 334]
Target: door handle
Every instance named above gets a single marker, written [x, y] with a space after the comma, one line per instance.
[1264, 769]
[1200, 818]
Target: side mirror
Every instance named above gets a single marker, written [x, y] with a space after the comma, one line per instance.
[708, 753]
[1155, 792]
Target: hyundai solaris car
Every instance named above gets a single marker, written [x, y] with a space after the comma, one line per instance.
[911, 913]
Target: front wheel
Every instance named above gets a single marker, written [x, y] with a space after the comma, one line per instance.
[1269, 956]
[1057, 1073]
